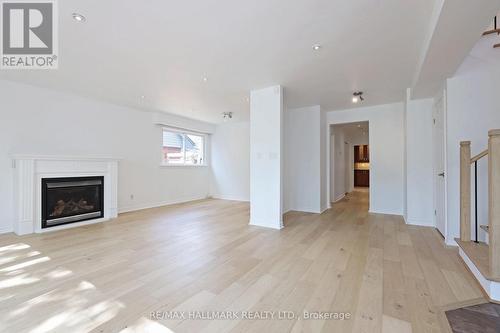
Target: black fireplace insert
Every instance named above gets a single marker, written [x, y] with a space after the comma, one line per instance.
[71, 200]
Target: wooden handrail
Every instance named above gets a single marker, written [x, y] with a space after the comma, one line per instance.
[479, 156]
[492, 31]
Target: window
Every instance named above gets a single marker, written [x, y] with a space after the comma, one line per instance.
[183, 148]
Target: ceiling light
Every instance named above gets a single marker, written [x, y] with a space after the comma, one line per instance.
[79, 17]
[357, 96]
[316, 47]
[227, 115]
[205, 79]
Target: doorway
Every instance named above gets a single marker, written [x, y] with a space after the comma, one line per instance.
[349, 159]
[362, 166]
[438, 133]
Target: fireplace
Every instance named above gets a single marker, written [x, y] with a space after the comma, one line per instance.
[71, 200]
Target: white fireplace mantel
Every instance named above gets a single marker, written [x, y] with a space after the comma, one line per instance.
[31, 169]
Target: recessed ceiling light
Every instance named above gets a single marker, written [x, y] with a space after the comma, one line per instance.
[205, 79]
[316, 47]
[355, 100]
[79, 17]
[143, 97]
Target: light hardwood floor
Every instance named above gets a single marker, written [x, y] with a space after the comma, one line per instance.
[203, 256]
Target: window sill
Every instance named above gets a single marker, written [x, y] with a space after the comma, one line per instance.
[182, 166]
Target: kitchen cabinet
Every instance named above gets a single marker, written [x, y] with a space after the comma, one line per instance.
[362, 178]
[361, 154]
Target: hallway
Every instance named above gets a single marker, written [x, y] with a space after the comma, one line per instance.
[378, 273]
[408, 276]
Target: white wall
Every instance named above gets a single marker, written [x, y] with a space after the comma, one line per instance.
[302, 189]
[41, 121]
[266, 165]
[338, 166]
[472, 110]
[419, 158]
[386, 137]
[230, 161]
[324, 160]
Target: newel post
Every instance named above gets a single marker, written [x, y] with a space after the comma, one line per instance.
[494, 201]
[465, 170]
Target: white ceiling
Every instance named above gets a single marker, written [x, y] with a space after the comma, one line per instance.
[162, 49]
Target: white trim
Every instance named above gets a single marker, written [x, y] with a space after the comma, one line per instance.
[64, 158]
[340, 197]
[263, 224]
[492, 288]
[451, 243]
[163, 165]
[230, 198]
[185, 132]
[28, 175]
[423, 223]
[328, 161]
[6, 230]
[133, 208]
[371, 211]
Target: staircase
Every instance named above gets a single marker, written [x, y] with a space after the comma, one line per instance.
[482, 258]
[494, 30]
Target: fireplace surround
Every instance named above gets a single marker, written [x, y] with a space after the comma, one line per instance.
[33, 172]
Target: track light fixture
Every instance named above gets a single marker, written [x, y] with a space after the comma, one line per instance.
[227, 115]
[357, 96]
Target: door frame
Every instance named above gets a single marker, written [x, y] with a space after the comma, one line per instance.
[330, 167]
[441, 98]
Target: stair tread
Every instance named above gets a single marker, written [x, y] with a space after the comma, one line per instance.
[478, 253]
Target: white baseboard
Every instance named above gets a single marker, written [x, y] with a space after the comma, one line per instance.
[266, 224]
[133, 208]
[340, 197]
[372, 211]
[6, 230]
[492, 288]
[230, 198]
[306, 210]
[422, 223]
[451, 242]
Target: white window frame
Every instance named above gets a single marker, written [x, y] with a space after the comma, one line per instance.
[184, 132]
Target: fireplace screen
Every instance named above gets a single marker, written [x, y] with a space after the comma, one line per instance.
[70, 200]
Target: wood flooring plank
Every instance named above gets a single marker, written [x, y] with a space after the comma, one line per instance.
[383, 275]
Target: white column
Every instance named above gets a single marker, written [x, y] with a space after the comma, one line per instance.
[266, 146]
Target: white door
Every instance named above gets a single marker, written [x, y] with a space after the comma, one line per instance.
[439, 165]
